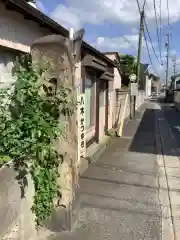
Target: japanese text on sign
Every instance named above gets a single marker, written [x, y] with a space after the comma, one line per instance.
[81, 127]
[134, 89]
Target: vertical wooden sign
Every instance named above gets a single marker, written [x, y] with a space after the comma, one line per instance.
[81, 127]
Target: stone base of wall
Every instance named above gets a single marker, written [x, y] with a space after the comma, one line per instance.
[15, 212]
[16, 218]
[63, 219]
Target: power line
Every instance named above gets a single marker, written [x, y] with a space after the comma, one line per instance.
[145, 38]
[138, 5]
[157, 28]
[160, 22]
[167, 63]
[168, 12]
[174, 64]
[144, 4]
[149, 36]
[149, 55]
[148, 9]
[150, 39]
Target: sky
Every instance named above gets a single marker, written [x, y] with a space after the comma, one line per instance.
[113, 25]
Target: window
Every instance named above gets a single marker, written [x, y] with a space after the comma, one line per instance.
[90, 100]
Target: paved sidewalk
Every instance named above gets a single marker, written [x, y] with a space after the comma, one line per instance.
[169, 123]
[125, 193]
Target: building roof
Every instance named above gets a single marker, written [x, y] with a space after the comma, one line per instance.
[113, 53]
[155, 78]
[31, 13]
[117, 60]
[110, 53]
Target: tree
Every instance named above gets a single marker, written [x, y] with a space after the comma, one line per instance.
[128, 66]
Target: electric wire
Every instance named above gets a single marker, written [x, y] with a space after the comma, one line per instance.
[168, 13]
[149, 36]
[145, 38]
[150, 39]
[160, 23]
[157, 29]
[138, 6]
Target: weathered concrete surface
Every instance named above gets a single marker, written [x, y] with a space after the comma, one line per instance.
[169, 124]
[15, 211]
[124, 195]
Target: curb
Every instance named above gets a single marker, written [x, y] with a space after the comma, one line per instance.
[97, 154]
[168, 230]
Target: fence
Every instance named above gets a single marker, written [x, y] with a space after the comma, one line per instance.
[120, 101]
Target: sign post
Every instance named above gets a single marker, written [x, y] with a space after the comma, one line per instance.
[134, 89]
[132, 77]
[81, 127]
[133, 94]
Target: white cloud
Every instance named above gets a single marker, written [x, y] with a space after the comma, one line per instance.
[98, 11]
[174, 10]
[178, 61]
[116, 43]
[78, 12]
[172, 55]
[41, 7]
[134, 30]
[129, 44]
[126, 42]
[66, 17]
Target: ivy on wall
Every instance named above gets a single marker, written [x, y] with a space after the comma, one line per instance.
[29, 128]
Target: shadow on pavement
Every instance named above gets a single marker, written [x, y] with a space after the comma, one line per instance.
[172, 116]
[144, 140]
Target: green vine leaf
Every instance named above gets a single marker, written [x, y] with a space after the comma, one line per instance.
[29, 128]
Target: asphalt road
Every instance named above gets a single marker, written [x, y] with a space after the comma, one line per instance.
[173, 118]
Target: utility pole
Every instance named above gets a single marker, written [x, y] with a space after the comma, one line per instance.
[140, 45]
[167, 62]
[139, 53]
[174, 65]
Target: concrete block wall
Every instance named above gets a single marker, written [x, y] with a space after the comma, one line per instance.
[140, 98]
[16, 217]
[120, 101]
[112, 108]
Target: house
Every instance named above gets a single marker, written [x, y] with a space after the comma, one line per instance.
[115, 86]
[155, 83]
[21, 24]
[148, 86]
[115, 56]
